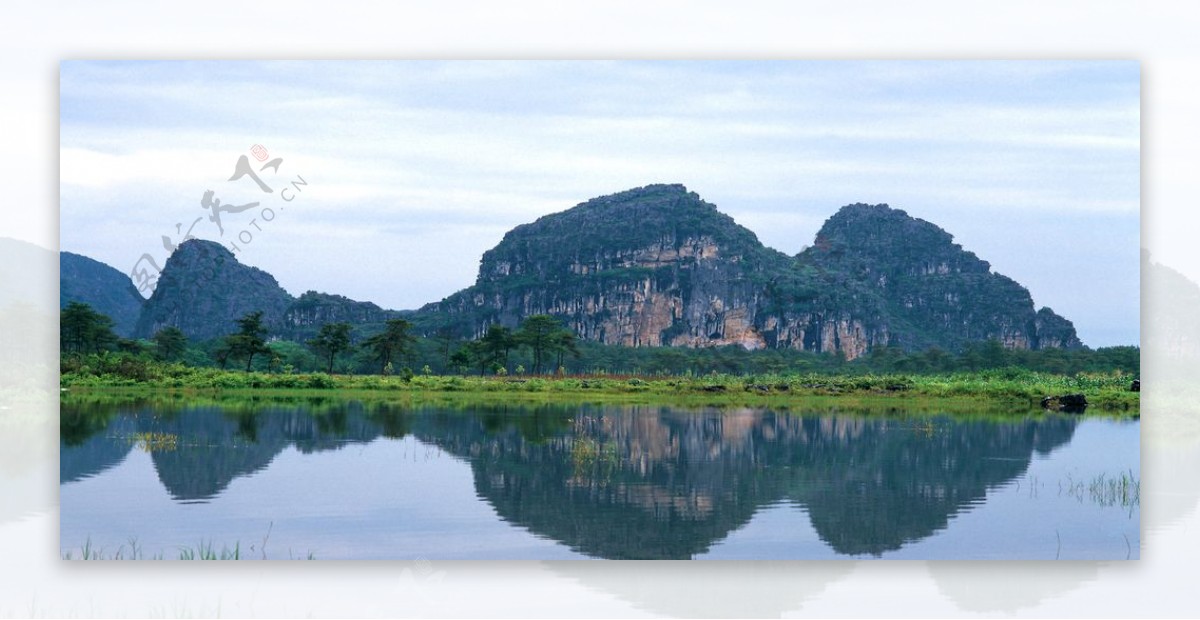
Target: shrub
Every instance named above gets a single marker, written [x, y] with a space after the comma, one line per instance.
[320, 381]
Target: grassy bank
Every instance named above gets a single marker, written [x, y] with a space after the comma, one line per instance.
[1005, 388]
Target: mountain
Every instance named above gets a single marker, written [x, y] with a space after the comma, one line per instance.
[312, 310]
[934, 292]
[105, 289]
[646, 267]
[203, 290]
[656, 266]
[659, 266]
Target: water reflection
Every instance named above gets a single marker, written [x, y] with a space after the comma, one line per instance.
[631, 482]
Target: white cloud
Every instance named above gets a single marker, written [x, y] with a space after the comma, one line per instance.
[398, 154]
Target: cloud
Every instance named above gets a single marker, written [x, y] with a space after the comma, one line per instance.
[404, 153]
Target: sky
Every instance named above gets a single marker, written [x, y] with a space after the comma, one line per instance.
[393, 177]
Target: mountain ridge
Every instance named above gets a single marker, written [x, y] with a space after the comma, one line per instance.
[658, 265]
[203, 279]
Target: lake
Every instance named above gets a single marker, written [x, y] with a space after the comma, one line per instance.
[333, 478]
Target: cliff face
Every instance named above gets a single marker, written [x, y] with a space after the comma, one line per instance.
[648, 267]
[934, 292]
[659, 266]
[305, 316]
[105, 289]
[203, 290]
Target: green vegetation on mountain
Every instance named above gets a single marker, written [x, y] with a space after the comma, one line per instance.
[204, 290]
[105, 289]
[650, 282]
[659, 266]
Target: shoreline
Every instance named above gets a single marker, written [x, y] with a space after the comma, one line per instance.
[971, 392]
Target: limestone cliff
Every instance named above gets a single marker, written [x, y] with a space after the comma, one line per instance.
[305, 316]
[203, 290]
[659, 266]
[934, 291]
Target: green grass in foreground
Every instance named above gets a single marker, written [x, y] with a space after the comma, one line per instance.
[1016, 388]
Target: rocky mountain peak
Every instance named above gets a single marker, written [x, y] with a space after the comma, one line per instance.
[657, 265]
[640, 227]
[203, 290]
[892, 240]
[201, 248]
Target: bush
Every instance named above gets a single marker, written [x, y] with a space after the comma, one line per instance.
[320, 381]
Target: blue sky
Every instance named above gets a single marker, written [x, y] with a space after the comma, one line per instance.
[415, 168]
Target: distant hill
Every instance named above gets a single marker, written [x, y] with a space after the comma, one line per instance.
[105, 289]
[203, 290]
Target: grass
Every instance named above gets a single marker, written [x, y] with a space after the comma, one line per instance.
[1122, 490]
[1007, 388]
[154, 442]
[205, 550]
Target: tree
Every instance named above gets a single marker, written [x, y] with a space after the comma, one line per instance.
[83, 330]
[460, 360]
[541, 333]
[393, 342]
[496, 344]
[139, 347]
[221, 353]
[333, 339]
[478, 355]
[444, 337]
[937, 360]
[564, 342]
[250, 339]
[170, 343]
[993, 354]
[295, 357]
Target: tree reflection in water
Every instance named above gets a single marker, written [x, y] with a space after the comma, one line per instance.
[618, 482]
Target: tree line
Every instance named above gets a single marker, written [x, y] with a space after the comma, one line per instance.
[540, 345]
[86, 331]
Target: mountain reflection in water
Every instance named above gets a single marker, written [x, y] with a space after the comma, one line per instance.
[618, 482]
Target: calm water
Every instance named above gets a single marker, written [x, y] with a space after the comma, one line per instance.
[343, 479]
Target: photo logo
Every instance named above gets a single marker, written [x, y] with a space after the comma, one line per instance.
[147, 269]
